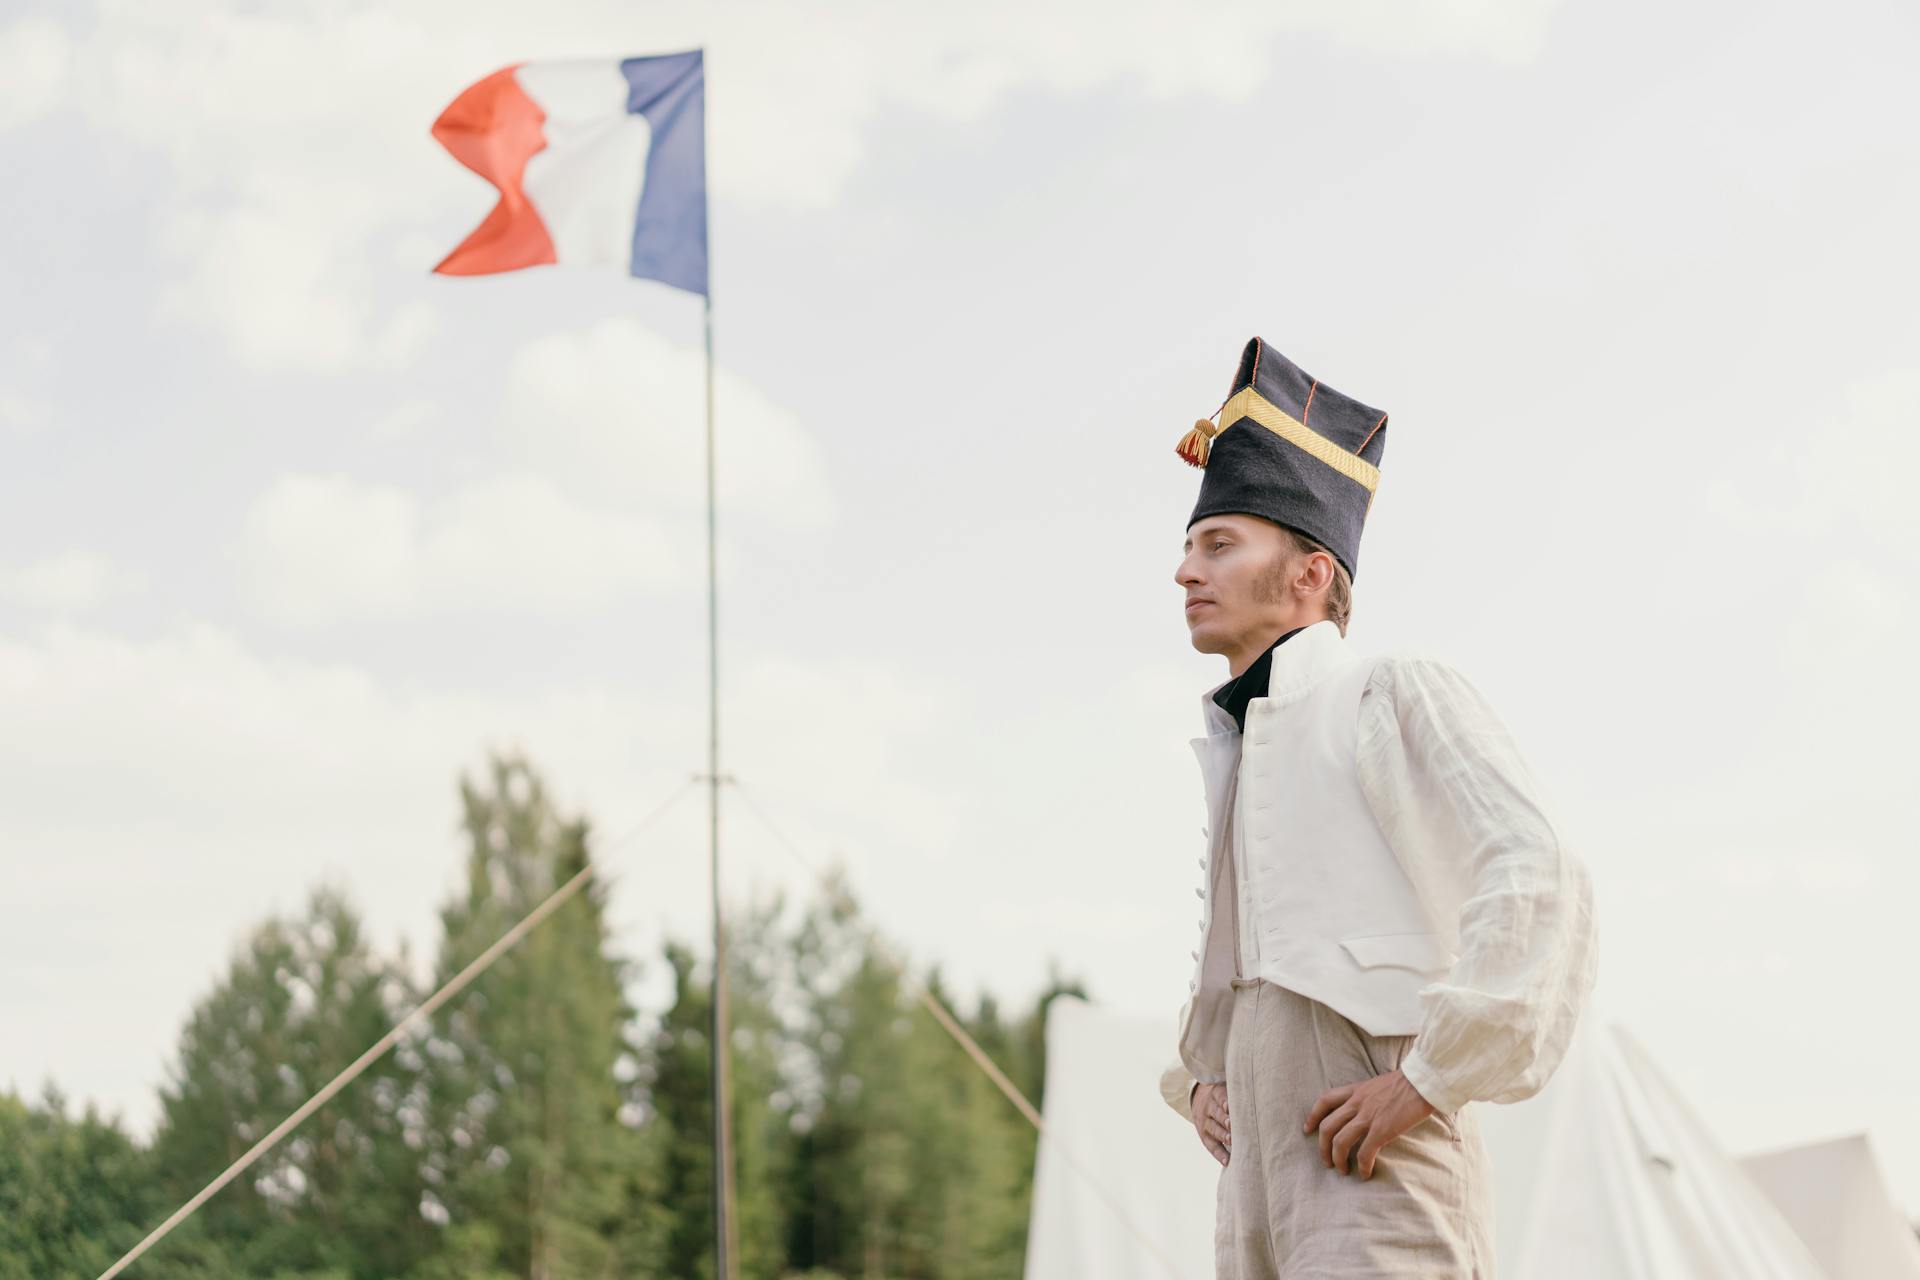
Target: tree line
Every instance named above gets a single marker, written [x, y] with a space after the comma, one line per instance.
[538, 1127]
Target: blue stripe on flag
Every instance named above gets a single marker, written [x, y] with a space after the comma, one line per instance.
[670, 226]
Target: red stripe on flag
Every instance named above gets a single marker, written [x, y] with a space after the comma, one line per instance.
[494, 128]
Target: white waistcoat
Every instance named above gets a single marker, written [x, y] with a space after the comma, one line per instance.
[1335, 916]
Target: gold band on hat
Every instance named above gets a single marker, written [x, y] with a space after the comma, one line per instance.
[1248, 403]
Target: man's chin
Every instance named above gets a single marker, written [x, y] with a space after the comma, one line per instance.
[1203, 639]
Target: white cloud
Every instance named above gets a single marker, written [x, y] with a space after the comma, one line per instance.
[282, 270]
[399, 342]
[25, 407]
[354, 85]
[599, 423]
[621, 412]
[404, 420]
[325, 548]
[1862, 459]
[70, 582]
[1828, 504]
[36, 61]
[196, 732]
[22, 414]
[299, 133]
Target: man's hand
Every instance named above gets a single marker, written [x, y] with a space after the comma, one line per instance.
[1365, 1116]
[1210, 1120]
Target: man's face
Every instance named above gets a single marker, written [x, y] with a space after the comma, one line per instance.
[1233, 575]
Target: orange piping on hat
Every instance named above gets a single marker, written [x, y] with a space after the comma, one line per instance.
[1370, 435]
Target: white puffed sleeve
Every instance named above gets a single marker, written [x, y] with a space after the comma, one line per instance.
[1176, 1086]
[1461, 811]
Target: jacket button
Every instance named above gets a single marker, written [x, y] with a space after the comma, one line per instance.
[1200, 894]
[1192, 987]
[1194, 954]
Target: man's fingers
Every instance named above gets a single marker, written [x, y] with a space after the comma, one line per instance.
[1213, 1121]
[1350, 1136]
[1368, 1156]
[1327, 1102]
[1331, 1125]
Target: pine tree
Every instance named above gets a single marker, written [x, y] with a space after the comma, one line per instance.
[910, 1163]
[527, 1152]
[877, 1163]
[677, 1093]
[73, 1191]
[339, 1196]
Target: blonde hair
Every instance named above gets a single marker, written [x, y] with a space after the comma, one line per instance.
[1339, 591]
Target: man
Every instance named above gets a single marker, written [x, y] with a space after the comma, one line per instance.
[1390, 928]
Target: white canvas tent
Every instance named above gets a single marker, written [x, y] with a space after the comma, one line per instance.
[1608, 1173]
[1832, 1194]
[1605, 1174]
[1104, 1115]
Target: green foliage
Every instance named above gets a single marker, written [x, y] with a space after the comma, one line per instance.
[302, 999]
[72, 1191]
[676, 1087]
[527, 1135]
[910, 1162]
[540, 1129]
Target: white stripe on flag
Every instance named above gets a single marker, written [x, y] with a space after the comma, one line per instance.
[587, 181]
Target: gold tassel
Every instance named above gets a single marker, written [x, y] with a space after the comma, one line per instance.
[1193, 446]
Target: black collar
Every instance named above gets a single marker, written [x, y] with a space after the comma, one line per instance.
[1233, 696]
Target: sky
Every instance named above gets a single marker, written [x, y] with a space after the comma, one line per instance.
[293, 533]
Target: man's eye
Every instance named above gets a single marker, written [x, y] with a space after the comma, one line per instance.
[1218, 545]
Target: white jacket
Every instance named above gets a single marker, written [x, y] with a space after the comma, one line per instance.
[1398, 865]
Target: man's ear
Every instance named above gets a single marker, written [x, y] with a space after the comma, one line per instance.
[1316, 574]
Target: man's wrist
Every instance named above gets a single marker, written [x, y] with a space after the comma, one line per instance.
[1416, 1091]
[1427, 1082]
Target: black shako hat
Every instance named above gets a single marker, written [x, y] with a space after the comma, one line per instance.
[1290, 449]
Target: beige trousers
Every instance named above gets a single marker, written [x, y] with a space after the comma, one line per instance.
[1282, 1214]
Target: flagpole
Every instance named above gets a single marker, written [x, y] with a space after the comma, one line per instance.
[725, 1248]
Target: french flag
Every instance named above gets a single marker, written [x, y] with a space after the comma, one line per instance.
[596, 162]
